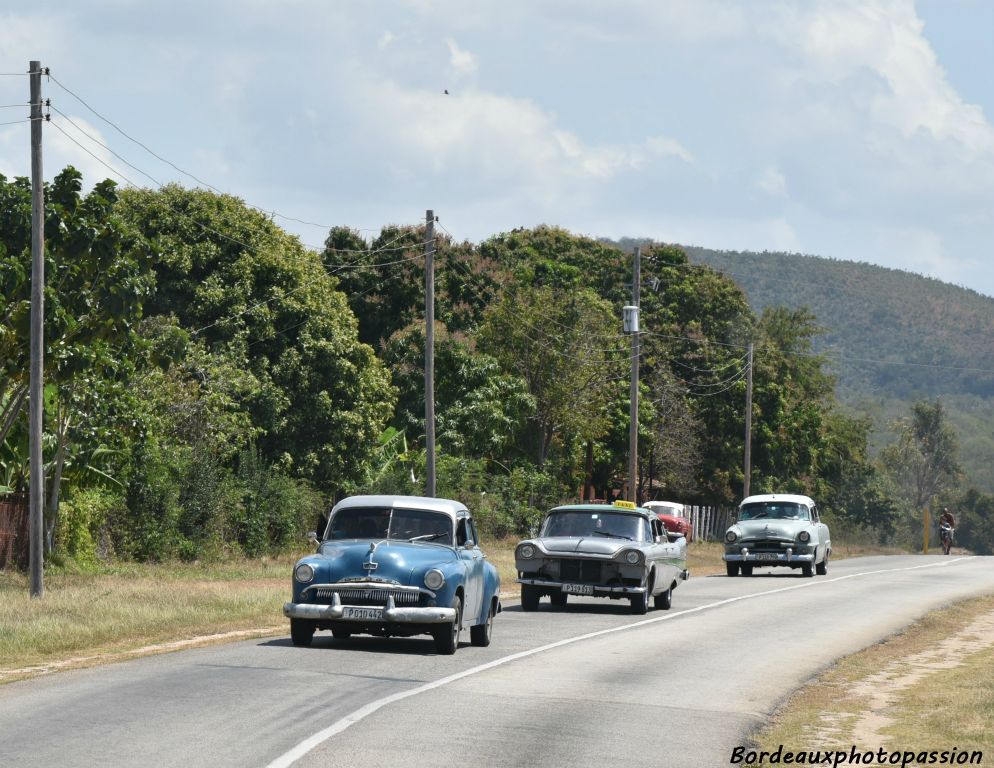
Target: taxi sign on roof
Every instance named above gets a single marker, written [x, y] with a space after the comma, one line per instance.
[625, 504]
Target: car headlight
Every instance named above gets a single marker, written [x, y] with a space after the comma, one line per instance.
[526, 551]
[304, 573]
[730, 536]
[633, 557]
[434, 579]
[804, 536]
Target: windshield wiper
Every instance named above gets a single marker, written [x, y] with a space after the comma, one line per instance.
[613, 535]
[427, 537]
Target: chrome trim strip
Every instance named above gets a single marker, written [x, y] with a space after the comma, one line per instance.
[370, 585]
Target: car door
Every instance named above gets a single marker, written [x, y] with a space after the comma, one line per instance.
[662, 551]
[824, 536]
[468, 547]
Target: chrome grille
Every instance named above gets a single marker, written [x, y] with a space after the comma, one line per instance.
[766, 545]
[369, 596]
[587, 571]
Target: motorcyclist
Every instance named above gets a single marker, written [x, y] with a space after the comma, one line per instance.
[947, 524]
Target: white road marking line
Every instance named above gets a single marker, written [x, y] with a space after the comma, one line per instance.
[293, 755]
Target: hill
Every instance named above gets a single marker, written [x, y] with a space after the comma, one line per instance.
[894, 337]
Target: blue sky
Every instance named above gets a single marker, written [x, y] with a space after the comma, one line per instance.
[858, 130]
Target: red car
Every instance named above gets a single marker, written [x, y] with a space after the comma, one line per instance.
[673, 516]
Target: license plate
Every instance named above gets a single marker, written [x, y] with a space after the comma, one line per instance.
[766, 556]
[351, 612]
[578, 589]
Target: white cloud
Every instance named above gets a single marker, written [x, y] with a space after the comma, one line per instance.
[463, 62]
[772, 182]
[387, 39]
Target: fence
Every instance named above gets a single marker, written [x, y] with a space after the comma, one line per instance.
[13, 530]
[710, 523]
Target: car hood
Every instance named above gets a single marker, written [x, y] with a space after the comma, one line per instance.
[400, 561]
[771, 529]
[588, 545]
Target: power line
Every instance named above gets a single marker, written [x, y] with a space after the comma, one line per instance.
[173, 165]
[15, 122]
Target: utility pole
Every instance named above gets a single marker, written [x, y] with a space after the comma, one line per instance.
[429, 353]
[927, 524]
[633, 429]
[35, 384]
[748, 441]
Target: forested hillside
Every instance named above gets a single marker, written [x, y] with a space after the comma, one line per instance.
[890, 338]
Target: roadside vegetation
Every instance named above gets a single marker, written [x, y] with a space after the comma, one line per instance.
[926, 688]
[214, 385]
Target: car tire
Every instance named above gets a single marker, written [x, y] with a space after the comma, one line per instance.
[807, 569]
[559, 599]
[302, 632]
[664, 600]
[747, 570]
[341, 634]
[640, 603]
[822, 568]
[447, 635]
[732, 569]
[480, 634]
[529, 597]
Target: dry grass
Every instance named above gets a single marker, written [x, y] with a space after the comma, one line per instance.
[123, 608]
[929, 687]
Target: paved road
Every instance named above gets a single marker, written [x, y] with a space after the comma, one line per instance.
[582, 687]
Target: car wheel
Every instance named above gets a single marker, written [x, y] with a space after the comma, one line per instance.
[447, 635]
[640, 603]
[529, 597]
[807, 569]
[732, 569]
[302, 632]
[664, 600]
[822, 568]
[480, 634]
[341, 634]
[747, 570]
[559, 599]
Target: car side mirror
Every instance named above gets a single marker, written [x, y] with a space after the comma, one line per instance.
[312, 537]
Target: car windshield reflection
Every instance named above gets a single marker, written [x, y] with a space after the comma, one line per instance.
[391, 523]
[774, 510]
[592, 524]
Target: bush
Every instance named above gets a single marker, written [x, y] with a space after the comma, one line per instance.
[83, 522]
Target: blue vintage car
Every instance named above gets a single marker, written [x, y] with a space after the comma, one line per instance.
[396, 566]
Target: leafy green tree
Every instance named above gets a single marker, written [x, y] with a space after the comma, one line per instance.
[479, 409]
[97, 275]
[560, 343]
[253, 294]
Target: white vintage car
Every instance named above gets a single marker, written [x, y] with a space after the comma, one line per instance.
[777, 529]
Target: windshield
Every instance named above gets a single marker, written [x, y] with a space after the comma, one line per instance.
[774, 510]
[611, 524]
[391, 523]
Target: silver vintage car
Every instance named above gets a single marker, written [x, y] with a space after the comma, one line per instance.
[777, 529]
[615, 550]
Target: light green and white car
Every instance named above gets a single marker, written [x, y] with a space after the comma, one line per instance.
[777, 529]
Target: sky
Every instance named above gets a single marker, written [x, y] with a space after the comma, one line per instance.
[853, 129]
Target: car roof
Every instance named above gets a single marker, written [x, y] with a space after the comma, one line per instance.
[448, 506]
[641, 511]
[667, 504]
[788, 497]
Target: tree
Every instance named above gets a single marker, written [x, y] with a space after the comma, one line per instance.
[923, 463]
[566, 347]
[97, 276]
[253, 294]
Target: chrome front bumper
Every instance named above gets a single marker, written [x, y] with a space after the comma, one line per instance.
[598, 590]
[391, 613]
[772, 558]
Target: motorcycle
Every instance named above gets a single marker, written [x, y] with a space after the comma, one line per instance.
[946, 535]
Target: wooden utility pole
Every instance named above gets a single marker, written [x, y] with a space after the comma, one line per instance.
[928, 523]
[633, 429]
[36, 383]
[430, 353]
[748, 436]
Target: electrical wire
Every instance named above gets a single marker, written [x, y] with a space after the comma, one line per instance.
[15, 122]
[173, 165]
